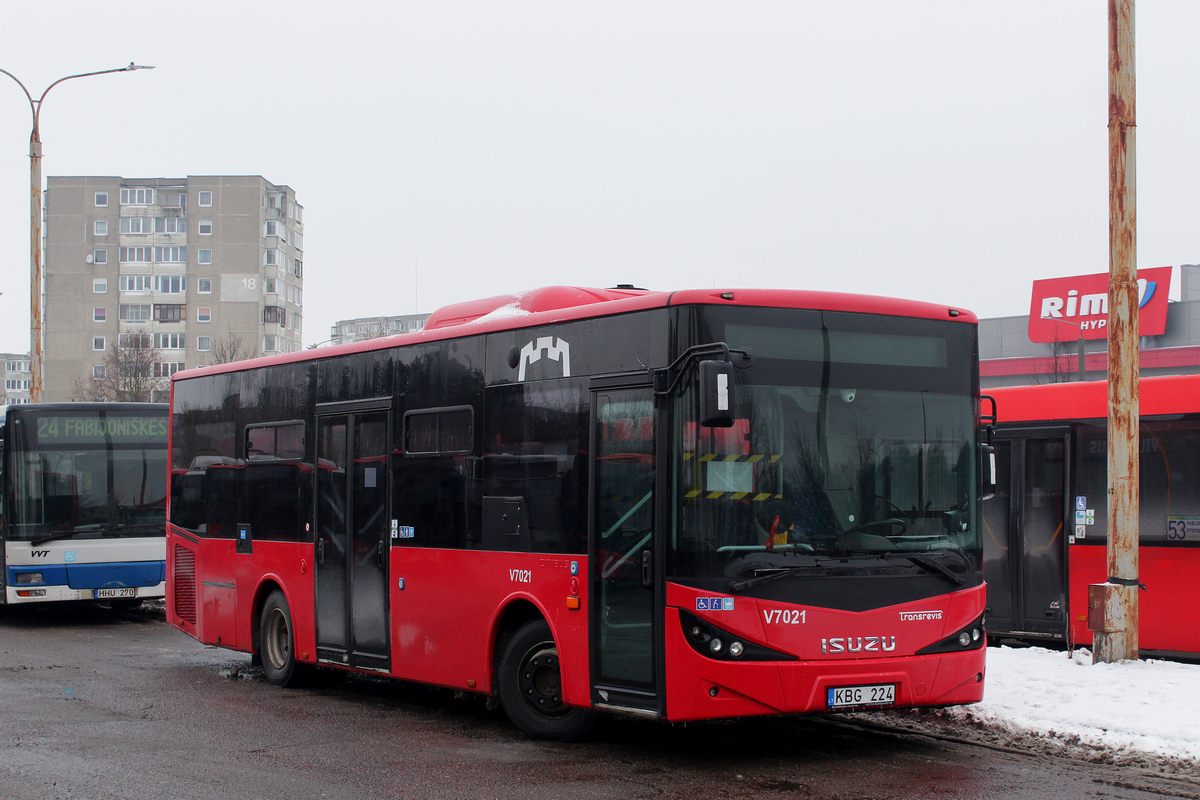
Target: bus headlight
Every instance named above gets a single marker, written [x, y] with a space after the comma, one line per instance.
[29, 577]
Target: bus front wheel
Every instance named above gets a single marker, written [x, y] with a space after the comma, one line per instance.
[530, 687]
[277, 643]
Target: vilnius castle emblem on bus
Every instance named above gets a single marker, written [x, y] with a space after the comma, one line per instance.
[555, 349]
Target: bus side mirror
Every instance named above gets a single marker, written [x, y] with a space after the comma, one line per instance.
[988, 453]
[716, 394]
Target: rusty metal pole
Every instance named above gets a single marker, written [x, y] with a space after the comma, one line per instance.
[1116, 600]
[35, 263]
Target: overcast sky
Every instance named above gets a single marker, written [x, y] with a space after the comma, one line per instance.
[946, 151]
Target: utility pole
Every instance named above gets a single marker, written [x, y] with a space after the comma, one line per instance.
[1113, 605]
[35, 223]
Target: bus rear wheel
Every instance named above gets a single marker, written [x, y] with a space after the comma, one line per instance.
[277, 642]
[530, 687]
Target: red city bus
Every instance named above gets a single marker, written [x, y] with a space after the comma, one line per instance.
[682, 506]
[1045, 529]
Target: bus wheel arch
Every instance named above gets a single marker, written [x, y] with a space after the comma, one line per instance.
[529, 683]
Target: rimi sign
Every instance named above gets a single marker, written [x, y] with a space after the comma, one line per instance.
[1063, 308]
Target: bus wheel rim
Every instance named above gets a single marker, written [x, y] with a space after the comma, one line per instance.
[277, 639]
[541, 681]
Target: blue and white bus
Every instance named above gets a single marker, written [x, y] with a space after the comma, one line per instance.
[83, 502]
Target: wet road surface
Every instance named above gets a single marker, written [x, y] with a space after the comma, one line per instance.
[101, 705]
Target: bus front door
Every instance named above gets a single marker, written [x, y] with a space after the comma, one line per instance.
[352, 540]
[623, 628]
[1025, 546]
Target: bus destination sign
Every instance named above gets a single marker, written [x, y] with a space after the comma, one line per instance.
[59, 430]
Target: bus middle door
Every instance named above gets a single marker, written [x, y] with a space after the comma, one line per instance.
[352, 538]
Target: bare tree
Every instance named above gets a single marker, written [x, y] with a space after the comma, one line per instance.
[227, 348]
[1058, 370]
[127, 374]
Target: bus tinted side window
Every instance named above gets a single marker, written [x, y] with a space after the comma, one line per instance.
[533, 483]
[276, 485]
[430, 473]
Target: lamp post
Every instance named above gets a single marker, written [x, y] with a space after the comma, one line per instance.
[35, 223]
[1082, 371]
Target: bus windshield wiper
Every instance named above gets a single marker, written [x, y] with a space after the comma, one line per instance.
[51, 537]
[758, 580]
[929, 565]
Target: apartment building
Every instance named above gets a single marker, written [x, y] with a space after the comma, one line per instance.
[355, 330]
[189, 265]
[16, 378]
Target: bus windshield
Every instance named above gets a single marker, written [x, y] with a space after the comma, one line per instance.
[851, 452]
[85, 474]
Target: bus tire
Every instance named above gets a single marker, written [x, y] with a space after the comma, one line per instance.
[530, 687]
[277, 642]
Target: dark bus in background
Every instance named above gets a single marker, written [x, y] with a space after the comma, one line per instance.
[1045, 530]
[682, 505]
[84, 502]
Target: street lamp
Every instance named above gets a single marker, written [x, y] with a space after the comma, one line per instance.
[35, 222]
[1082, 371]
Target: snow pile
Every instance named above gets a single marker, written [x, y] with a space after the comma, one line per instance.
[1133, 706]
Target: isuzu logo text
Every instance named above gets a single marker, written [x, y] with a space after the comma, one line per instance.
[859, 644]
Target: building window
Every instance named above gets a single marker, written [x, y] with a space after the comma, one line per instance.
[416, 324]
[170, 224]
[206, 227]
[204, 256]
[170, 255]
[268, 285]
[170, 284]
[175, 199]
[169, 341]
[169, 312]
[136, 254]
[137, 197]
[17, 366]
[99, 285]
[137, 224]
[204, 343]
[101, 200]
[298, 241]
[272, 228]
[98, 343]
[272, 257]
[98, 372]
[206, 199]
[166, 369]
[276, 315]
[296, 322]
[203, 314]
[269, 343]
[99, 314]
[100, 257]
[134, 312]
[204, 285]
[100, 227]
[298, 268]
[138, 341]
[134, 283]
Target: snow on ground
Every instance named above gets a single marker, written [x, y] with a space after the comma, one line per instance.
[1129, 707]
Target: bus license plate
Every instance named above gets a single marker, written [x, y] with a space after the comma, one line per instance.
[879, 695]
[104, 593]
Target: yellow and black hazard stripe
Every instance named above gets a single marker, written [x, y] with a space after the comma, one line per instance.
[752, 496]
